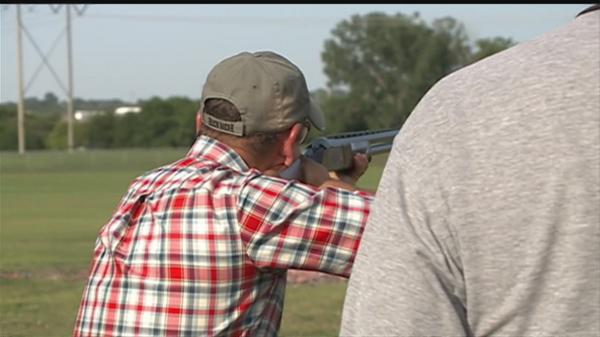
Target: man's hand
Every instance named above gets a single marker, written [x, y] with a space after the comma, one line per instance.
[317, 174]
[313, 173]
[359, 167]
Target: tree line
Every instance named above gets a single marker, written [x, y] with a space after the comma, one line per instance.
[378, 67]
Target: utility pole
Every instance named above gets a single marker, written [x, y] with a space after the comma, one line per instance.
[21, 104]
[70, 69]
[22, 90]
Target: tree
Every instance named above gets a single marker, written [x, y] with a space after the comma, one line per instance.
[126, 133]
[37, 128]
[168, 122]
[8, 127]
[490, 46]
[379, 66]
[57, 138]
[385, 63]
[336, 108]
[100, 131]
[50, 105]
[51, 99]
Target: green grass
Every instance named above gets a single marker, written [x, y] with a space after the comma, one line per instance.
[313, 310]
[51, 219]
[52, 205]
[39, 307]
[93, 160]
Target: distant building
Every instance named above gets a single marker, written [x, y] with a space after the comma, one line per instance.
[123, 110]
[83, 115]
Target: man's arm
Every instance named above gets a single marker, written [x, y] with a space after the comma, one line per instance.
[288, 224]
[310, 172]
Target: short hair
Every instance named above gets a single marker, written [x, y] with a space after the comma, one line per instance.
[222, 109]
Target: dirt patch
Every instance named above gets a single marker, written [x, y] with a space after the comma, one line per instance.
[294, 276]
[304, 276]
[45, 274]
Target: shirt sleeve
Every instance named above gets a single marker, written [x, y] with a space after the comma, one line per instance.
[286, 224]
[407, 279]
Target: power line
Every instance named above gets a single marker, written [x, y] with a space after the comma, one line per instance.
[44, 57]
[32, 25]
[55, 8]
[218, 19]
[21, 104]
[81, 10]
[70, 134]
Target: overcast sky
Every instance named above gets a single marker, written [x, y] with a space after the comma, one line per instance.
[133, 52]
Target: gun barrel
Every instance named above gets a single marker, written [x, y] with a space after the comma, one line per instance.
[381, 148]
[361, 136]
[336, 152]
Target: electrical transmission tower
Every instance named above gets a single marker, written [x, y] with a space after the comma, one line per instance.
[68, 90]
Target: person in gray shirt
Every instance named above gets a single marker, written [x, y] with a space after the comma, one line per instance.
[486, 221]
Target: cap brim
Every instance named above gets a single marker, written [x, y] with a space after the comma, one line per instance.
[316, 116]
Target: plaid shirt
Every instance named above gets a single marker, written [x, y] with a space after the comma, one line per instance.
[201, 247]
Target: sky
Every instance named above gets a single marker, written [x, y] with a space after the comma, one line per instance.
[132, 52]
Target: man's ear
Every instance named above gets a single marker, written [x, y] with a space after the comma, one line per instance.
[290, 144]
[198, 121]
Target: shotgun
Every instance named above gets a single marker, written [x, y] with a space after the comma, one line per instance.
[336, 152]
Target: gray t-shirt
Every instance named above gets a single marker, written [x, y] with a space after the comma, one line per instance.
[487, 218]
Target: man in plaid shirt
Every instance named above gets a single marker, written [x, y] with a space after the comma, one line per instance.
[200, 247]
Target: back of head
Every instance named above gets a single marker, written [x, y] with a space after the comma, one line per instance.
[268, 91]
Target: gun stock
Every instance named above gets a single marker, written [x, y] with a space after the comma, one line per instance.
[336, 152]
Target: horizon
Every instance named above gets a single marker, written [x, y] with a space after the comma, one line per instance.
[136, 52]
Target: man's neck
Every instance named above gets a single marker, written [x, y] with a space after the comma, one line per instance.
[262, 163]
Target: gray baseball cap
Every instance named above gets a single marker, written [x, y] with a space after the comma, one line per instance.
[269, 91]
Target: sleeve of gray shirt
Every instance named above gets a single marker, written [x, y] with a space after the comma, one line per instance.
[407, 281]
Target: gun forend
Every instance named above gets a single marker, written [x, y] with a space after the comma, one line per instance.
[336, 152]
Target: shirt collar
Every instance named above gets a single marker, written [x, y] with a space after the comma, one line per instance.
[211, 149]
[594, 7]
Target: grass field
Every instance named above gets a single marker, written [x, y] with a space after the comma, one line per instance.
[52, 204]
